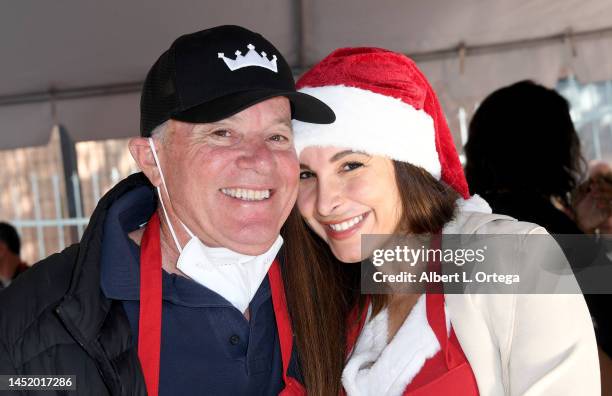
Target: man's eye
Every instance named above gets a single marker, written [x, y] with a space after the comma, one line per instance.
[306, 175]
[222, 133]
[278, 138]
[349, 166]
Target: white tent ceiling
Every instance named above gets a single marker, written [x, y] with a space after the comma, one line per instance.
[80, 62]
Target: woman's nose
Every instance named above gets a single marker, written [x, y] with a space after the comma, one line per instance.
[329, 196]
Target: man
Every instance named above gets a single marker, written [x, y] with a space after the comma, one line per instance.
[10, 262]
[217, 155]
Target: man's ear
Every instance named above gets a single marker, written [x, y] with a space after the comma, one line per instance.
[142, 154]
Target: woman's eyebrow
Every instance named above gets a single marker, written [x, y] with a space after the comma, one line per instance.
[344, 153]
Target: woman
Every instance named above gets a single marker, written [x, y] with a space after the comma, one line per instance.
[388, 165]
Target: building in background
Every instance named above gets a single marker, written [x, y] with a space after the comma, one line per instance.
[49, 206]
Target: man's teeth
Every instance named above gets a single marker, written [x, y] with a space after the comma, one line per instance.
[245, 194]
[345, 225]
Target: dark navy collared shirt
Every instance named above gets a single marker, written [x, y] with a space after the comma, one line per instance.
[208, 347]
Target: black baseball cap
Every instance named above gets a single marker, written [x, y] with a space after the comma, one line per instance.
[215, 73]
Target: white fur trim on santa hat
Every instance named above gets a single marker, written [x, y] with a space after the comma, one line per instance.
[378, 368]
[373, 123]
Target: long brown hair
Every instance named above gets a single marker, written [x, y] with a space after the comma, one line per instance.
[321, 290]
[317, 305]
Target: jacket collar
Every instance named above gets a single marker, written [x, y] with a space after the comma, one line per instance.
[84, 305]
[466, 222]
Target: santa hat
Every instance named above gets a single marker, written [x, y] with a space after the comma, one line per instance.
[384, 106]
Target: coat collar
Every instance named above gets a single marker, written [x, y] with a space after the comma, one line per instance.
[84, 305]
[467, 222]
[376, 366]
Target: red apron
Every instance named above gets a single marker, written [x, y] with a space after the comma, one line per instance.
[448, 372]
[149, 325]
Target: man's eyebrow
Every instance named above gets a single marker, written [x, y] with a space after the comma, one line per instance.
[236, 117]
[344, 153]
[283, 121]
[223, 122]
[304, 166]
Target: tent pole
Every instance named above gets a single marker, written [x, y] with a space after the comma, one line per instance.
[301, 27]
[70, 168]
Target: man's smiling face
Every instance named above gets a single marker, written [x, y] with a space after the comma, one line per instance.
[233, 182]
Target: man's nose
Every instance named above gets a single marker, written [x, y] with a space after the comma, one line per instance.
[256, 156]
[329, 196]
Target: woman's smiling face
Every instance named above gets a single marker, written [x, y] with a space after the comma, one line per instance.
[345, 194]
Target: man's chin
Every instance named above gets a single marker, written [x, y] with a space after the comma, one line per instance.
[253, 244]
[251, 250]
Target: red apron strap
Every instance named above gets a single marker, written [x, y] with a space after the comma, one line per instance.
[355, 322]
[437, 318]
[285, 331]
[149, 323]
[283, 323]
[436, 315]
[435, 298]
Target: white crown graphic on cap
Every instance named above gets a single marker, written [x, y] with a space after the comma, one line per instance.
[252, 58]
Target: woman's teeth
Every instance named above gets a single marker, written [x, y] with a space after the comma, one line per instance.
[345, 225]
[245, 194]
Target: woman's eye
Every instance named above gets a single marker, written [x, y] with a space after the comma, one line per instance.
[349, 166]
[306, 175]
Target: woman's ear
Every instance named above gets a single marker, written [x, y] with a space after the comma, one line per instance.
[142, 154]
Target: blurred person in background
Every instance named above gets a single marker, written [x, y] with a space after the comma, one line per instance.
[10, 262]
[591, 206]
[524, 158]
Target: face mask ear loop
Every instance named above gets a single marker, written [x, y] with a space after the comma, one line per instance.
[176, 242]
[191, 234]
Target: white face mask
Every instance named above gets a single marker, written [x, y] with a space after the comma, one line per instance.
[234, 276]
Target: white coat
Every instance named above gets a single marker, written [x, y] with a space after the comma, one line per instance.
[523, 344]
